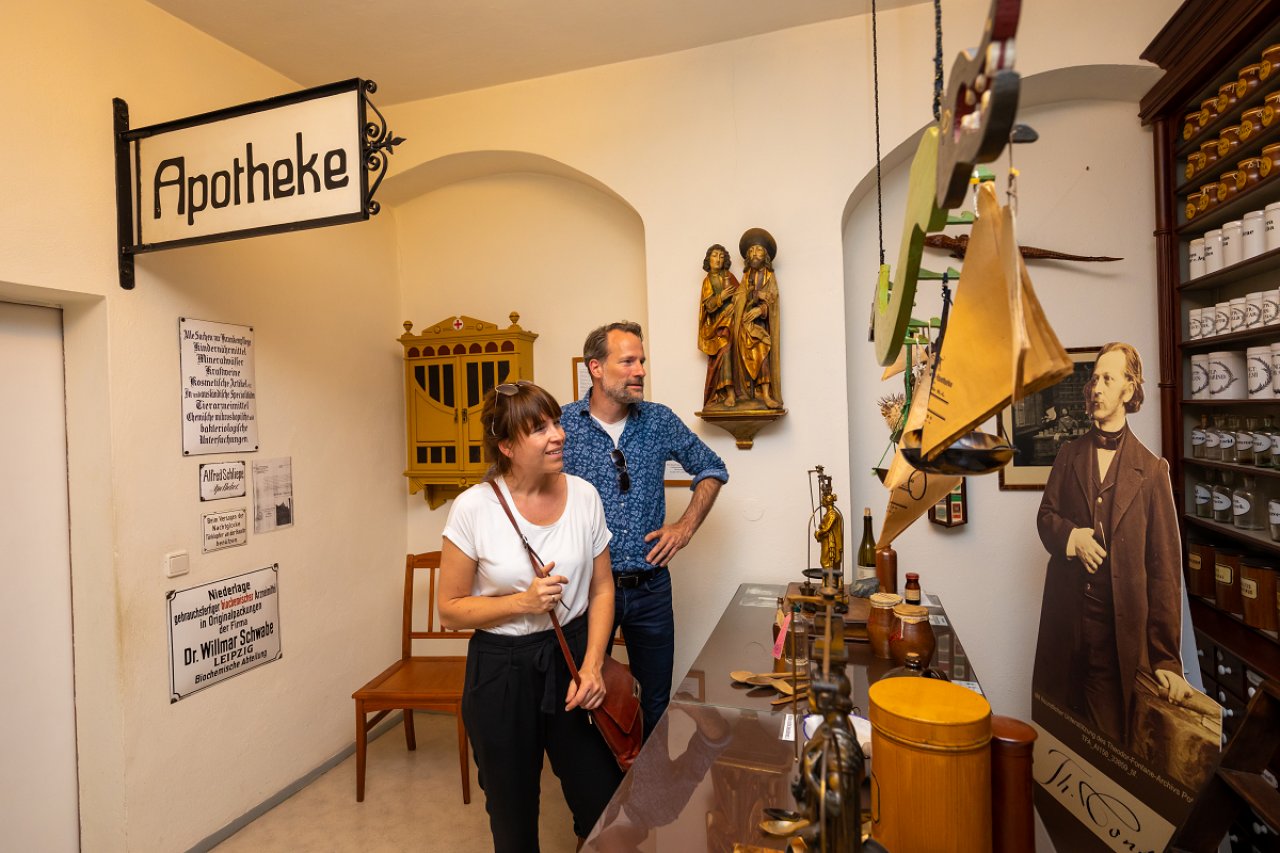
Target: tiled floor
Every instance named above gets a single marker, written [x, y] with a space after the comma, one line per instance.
[413, 802]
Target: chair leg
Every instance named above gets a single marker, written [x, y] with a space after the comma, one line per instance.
[410, 736]
[362, 742]
[463, 758]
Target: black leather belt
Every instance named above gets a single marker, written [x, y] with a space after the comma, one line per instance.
[631, 580]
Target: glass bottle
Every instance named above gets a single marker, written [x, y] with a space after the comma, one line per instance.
[1273, 516]
[1262, 441]
[1197, 437]
[1222, 499]
[1246, 510]
[911, 589]
[867, 549]
[795, 649]
[1244, 441]
[1227, 438]
[1204, 496]
[1213, 440]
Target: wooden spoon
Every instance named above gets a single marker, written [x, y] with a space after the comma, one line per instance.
[765, 679]
[801, 697]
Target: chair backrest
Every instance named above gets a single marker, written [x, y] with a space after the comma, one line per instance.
[430, 563]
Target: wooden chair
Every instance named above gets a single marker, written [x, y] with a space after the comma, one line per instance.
[412, 683]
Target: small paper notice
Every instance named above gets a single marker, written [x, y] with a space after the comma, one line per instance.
[788, 728]
[938, 619]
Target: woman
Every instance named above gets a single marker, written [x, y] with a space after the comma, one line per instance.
[519, 699]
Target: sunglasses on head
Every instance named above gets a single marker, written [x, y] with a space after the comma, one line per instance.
[620, 463]
[506, 389]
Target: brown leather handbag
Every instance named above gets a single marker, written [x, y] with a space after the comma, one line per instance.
[618, 718]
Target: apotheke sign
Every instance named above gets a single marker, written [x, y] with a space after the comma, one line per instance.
[286, 163]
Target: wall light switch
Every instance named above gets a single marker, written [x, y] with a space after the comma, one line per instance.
[176, 563]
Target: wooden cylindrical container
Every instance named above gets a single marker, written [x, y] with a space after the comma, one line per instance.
[1012, 823]
[1226, 570]
[1258, 593]
[931, 771]
[1200, 563]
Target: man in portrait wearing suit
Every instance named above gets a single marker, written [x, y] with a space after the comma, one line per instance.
[1112, 605]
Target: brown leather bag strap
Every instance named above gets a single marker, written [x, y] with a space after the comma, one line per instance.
[536, 562]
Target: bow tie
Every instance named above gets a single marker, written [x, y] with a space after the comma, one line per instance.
[1108, 440]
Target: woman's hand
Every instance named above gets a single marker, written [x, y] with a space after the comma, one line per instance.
[544, 593]
[588, 692]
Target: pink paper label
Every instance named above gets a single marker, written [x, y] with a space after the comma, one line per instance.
[782, 637]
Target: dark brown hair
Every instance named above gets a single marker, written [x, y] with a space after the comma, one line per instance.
[510, 417]
[596, 346]
[1132, 372]
[706, 259]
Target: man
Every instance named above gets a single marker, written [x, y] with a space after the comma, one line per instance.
[1112, 598]
[757, 334]
[621, 444]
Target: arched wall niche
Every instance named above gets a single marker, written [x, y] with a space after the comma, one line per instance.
[1086, 187]
[486, 233]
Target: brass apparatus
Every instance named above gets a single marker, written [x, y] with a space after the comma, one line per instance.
[828, 785]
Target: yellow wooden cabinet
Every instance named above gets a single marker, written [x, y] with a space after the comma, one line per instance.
[448, 368]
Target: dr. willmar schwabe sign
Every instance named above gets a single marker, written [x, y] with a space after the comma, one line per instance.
[222, 629]
[296, 161]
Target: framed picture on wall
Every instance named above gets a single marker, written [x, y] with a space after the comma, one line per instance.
[1039, 424]
[581, 377]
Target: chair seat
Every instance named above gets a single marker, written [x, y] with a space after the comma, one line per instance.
[416, 679]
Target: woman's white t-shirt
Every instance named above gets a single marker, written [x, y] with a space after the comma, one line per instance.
[482, 531]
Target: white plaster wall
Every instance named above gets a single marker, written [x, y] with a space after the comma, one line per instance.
[1085, 188]
[565, 256]
[324, 305]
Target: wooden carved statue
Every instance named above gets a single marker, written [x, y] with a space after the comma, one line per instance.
[718, 315]
[758, 329]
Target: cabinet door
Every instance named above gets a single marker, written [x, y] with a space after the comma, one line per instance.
[434, 392]
[479, 374]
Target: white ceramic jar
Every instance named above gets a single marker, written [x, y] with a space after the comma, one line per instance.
[1259, 373]
[1213, 250]
[1232, 242]
[1200, 376]
[1227, 375]
[1254, 240]
[1271, 226]
[1195, 258]
[1253, 310]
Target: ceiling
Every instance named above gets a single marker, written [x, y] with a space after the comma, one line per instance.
[423, 48]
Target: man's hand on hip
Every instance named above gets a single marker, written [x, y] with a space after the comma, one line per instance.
[670, 539]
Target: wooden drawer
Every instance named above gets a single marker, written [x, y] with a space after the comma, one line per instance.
[1229, 673]
[1232, 711]
[1206, 655]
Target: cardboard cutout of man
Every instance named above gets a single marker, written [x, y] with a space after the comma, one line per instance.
[1112, 595]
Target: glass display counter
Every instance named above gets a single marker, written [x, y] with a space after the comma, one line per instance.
[719, 756]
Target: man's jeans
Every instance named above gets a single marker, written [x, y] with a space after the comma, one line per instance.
[649, 628]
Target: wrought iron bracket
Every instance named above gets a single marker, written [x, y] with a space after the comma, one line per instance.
[379, 144]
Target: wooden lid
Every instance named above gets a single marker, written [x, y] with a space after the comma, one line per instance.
[930, 714]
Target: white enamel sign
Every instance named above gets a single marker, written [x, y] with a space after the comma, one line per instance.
[222, 629]
[261, 170]
[219, 400]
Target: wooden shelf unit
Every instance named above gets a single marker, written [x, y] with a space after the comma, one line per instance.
[1201, 48]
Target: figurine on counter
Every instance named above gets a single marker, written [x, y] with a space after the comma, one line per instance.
[830, 533]
[718, 315]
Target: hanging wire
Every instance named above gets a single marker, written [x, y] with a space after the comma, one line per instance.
[937, 59]
[875, 85]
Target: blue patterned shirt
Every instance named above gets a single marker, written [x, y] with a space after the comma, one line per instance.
[653, 435]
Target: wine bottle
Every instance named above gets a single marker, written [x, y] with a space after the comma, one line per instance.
[867, 550]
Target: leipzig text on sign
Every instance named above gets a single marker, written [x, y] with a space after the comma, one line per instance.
[222, 629]
[286, 163]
